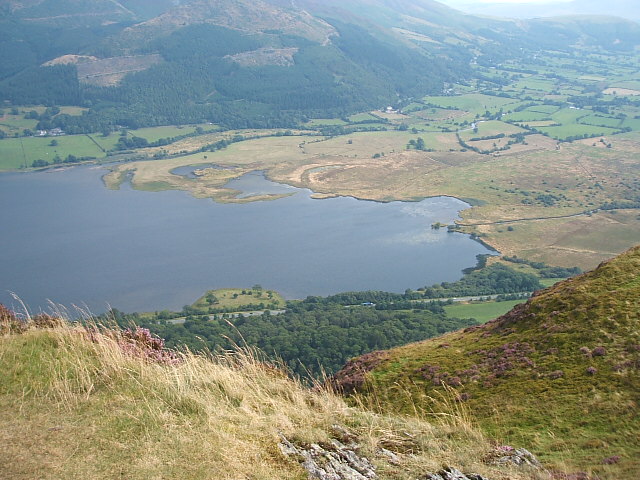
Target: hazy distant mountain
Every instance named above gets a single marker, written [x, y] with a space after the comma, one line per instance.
[629, 9]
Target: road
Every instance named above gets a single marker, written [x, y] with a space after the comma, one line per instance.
[254, 313]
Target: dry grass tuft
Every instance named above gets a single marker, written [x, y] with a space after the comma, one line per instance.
[78, 401]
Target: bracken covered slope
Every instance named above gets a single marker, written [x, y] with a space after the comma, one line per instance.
[560, 373]
[103, 404]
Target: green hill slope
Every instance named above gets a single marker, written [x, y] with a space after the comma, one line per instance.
[559, 373]
[79, 403]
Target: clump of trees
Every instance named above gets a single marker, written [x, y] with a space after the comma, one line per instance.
[312, 337]
[495, 279]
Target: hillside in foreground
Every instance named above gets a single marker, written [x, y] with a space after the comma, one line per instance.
[559, 373]
[94, 403]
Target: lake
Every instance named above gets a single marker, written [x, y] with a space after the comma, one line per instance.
[67, 238]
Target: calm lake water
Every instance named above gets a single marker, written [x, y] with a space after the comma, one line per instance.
[67, 238]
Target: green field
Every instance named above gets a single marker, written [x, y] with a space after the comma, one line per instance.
[321, 122]
[489, 128]
[525, 116]
[548, 109]
[633, 123]
[627, 84]
[363, 117]
[562, 132]
[21, 152]
[475, 102]
[15, 124]
[600, 120]
[153, 134]
[483, 311]
[535, 83]
[234, 299]
[568, 115]
[547, 282]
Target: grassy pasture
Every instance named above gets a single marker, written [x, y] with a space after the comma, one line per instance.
[363, 117]
[364, 144]
[12, 124]
[474, 102]
[107, 143]
[15, 152]
[563, 132]
[321, 122]
[592, 78]
[568, 115]
[633, 123]
[547, 109]
[626, 84]
[15, 124]
[73, 110]
[600, 120]
[481, 311]
[535, 83]
[540, 123]
[234, 298]
[153, 134]
[489, 128]
[414, 107]
[525, 116]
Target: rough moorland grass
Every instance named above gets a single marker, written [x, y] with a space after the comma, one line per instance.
[82, 404]
[560, 373]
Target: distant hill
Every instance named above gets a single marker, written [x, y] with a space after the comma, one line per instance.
[560, 373]
[629, 9]
[262, 63]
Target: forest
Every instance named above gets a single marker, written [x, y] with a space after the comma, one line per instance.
[310, 338]
[318, 335]
[201, 82]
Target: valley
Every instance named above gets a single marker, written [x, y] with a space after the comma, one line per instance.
[322, 238]
[534, 152]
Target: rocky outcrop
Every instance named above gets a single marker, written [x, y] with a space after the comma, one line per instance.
[342, 460]
[520, 457]
[330, 461]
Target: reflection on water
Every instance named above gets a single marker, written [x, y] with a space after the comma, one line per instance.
[255, 184]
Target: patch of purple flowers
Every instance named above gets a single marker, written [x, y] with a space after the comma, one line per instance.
[140, 342]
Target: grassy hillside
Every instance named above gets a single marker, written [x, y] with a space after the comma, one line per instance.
[559, 373]
[78, 402]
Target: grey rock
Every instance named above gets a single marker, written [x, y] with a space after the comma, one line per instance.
[393, 458]
[335, 461]
[520, 457]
